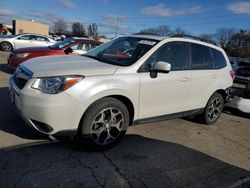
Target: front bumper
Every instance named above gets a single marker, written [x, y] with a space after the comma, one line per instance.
[49, 114]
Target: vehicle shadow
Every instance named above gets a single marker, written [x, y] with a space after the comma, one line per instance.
[135, 162]
[11, 122]
[236, 112]
[6, 69]
[227, 110]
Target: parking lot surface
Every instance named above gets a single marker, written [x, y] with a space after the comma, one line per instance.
[174, 153]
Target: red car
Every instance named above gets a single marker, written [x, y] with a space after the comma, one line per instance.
[69, 46]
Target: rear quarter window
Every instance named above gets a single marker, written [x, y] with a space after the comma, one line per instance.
[219, 59]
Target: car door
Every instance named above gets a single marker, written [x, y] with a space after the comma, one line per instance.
[23, 41]
[168, 92]
[204, 77]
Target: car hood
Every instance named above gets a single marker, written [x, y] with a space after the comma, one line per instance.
[32, 49]
[67, 65]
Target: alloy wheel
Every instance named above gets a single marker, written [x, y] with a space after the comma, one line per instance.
[6, 47]
[107, 126]
[214, 109]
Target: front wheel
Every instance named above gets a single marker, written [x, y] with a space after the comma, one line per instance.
[104, 124]
[213, 108]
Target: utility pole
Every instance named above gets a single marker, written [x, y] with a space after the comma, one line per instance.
[117, 24]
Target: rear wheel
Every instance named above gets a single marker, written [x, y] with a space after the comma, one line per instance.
[6, 46]
[213, 108]
[104, 124]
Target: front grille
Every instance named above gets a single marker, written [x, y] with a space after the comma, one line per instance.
[21, 77]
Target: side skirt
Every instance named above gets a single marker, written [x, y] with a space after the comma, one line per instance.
[168, 116]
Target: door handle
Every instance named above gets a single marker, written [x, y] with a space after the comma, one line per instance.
[184, 79]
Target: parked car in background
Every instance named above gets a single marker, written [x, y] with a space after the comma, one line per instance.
[129, 80]
[67, 47]
[11, 42]
[241, 85]
[240, 92]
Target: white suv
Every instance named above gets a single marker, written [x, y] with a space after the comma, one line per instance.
[129, 80]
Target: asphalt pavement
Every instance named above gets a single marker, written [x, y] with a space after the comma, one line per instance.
[174, 153]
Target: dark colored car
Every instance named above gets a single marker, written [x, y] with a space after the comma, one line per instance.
[241, 85]
[69, 46]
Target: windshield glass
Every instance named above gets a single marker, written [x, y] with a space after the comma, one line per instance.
[123, 51]
[61, 44]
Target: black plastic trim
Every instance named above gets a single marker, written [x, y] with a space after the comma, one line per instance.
[168, 116]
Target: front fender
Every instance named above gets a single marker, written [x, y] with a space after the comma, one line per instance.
[91, 89]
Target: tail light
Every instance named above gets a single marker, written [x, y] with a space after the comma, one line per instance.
[232, 74]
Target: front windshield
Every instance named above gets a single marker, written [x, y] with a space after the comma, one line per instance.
[123, 51]
[61, 44]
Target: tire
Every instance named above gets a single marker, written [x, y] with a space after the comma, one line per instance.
[98, 129]
[213, 109]
[6, 46]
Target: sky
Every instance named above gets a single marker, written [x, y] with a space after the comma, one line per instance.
[194, 16]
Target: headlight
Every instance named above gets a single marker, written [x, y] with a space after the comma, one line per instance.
[22, 55]
[53, 85]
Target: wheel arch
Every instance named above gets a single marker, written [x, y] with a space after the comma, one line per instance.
[125, 100]
[129, 105]
[222, 92]
[12, 45]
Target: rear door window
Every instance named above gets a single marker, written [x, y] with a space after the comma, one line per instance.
[201, 57]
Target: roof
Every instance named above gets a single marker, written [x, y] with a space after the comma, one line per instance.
[153, 37]
[179, 36]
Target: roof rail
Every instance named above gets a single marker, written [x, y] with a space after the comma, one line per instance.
[196, 38]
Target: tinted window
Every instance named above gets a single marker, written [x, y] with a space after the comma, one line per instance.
[219, 59]
[83, 46]
[201, 57]
[175, 53]
[62, 44]
[24, 37]
[40, 38]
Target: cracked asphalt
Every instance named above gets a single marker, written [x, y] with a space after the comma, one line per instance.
[174, 153]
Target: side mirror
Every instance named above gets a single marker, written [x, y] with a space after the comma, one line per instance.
[163, 67]
[160, 66]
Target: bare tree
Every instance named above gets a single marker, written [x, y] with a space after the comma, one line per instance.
[223, 36]
[162, 30]
[78, 29]
[60, 27]
[207, 36]
[179, 30]
[165, 30]
[239, 44]
[93, 31]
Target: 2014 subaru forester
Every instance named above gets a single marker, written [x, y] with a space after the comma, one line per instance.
[129, 80]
